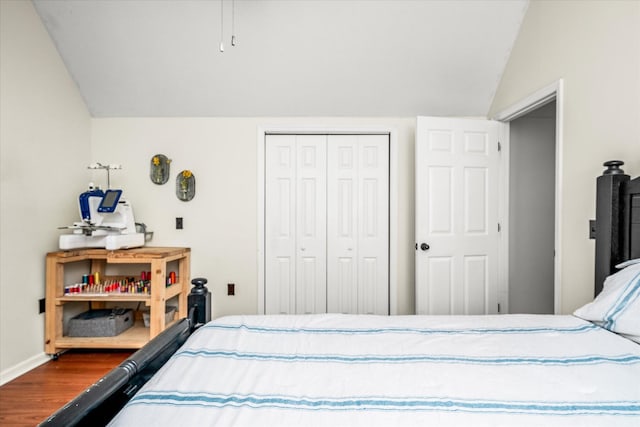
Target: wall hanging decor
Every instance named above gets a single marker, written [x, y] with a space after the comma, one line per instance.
[160, 168]
[185, 185]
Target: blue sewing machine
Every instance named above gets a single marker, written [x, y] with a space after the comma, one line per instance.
[106, 221]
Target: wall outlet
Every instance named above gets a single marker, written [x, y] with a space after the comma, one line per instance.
[231, 289]
[179, 223]
[41, 305]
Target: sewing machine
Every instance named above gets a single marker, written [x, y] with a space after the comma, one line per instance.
[106, 219]
[107, 222]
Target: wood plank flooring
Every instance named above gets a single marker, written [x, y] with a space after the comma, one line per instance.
[32, 397]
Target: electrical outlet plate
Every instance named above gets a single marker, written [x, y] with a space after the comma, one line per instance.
[231, 289]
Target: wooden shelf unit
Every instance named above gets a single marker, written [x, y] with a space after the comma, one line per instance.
[156, 258]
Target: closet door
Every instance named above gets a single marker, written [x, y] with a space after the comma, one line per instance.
[295, 224]
[358, 224]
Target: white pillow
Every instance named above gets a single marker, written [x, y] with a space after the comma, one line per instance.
[628, 263]
[617, 307]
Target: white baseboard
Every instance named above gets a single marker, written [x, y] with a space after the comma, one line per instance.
[23, 367]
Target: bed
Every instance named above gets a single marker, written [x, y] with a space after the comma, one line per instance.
[356, 370]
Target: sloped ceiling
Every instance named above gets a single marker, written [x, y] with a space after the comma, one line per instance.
[399, 58]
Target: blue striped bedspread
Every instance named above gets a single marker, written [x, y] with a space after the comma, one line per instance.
[357, 370]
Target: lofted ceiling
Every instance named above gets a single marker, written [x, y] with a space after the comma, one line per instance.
[398, 58]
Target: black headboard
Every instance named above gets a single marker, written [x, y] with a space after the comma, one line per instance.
[617, 224]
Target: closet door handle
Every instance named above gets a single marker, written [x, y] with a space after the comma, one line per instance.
[424, 247]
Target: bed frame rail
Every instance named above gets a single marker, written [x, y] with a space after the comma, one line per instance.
[98, 404]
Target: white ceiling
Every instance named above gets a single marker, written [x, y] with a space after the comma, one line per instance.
[399, 58]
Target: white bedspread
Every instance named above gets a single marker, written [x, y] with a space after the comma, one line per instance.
[348, 370]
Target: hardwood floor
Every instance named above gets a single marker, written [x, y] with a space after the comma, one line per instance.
[30, 398]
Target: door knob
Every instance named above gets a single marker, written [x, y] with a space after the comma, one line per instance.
[424, 246]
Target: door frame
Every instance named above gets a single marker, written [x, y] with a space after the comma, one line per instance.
[263, 131]
[552, 92]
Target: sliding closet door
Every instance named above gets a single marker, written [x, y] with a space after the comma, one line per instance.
[295, 224]
[358, 224]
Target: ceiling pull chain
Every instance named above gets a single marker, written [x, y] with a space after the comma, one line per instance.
[221, 25]
[233, 22]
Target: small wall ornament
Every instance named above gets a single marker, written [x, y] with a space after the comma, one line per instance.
[185, 185]
[159, 171]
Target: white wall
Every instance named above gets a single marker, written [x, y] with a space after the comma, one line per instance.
[220, 223]
[44, 145]
[595, 47]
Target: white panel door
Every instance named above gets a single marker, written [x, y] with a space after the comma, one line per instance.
[456, 216]
[326, 224]
[295, 224]
[358, 224]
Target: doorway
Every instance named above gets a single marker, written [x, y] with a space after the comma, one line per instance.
[551, 94]
[532, 153]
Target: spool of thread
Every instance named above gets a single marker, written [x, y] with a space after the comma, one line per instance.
[172, 277]
[96, 277]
